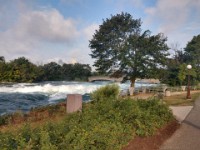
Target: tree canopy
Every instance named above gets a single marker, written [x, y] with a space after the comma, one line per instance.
[22, 70]
[120, 47]
[176, 71]
[192, 52]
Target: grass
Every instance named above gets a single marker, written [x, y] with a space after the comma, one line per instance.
[180, 100]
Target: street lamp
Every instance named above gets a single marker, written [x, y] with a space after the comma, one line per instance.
[188, 88]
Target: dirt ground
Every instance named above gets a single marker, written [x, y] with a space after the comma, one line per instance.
[155, 141]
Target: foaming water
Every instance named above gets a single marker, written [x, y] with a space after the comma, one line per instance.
[24, 96]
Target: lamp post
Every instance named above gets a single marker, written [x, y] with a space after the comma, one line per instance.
[188, 87]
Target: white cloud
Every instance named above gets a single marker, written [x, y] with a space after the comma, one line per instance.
[89, 31]
[34, 29]
[174, 18]
[45, 35]
[47, 25]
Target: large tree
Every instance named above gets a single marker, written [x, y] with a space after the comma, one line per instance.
[192, 52]
[120, 47]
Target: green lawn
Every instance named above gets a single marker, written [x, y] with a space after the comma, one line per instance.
[180, 100]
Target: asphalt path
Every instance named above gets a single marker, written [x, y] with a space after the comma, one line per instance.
[187, 137]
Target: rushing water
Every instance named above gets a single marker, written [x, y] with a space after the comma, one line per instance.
[24, 96]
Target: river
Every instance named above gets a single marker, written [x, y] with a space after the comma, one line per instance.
[24, 96]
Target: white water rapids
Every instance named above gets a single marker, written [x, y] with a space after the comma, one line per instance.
[24, 96]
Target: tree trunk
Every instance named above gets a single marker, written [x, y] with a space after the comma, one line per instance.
[131, 88]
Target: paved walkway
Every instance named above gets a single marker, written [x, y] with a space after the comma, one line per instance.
[181, 112]
[187, 137]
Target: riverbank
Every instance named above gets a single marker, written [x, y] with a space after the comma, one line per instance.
[105, 123]
[52, 111]
[24, 96]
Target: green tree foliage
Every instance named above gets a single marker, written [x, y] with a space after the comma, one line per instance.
[52, 71]
[180, 57]
[192, 52]
[170, 74]
[22, 70]
[175, 72]
[76, 71]
[18, 70]
[82, 70]
[183, 72]
[120, 47]
[67, 70]
[105, 92]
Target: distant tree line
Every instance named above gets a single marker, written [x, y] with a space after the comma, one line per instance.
[22, 70]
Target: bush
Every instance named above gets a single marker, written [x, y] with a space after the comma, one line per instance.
[108, 124]
[105, 92]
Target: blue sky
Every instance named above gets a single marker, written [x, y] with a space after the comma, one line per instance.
[60, 30]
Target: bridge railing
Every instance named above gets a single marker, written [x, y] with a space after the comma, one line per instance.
[104, 78]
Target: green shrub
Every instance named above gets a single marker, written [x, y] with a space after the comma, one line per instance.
[105, 92]
[107, 123]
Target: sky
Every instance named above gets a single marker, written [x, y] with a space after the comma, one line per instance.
[60, 30]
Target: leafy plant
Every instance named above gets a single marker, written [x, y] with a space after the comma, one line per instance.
[105, 92]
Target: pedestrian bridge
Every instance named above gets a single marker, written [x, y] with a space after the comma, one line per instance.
[104, 78]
